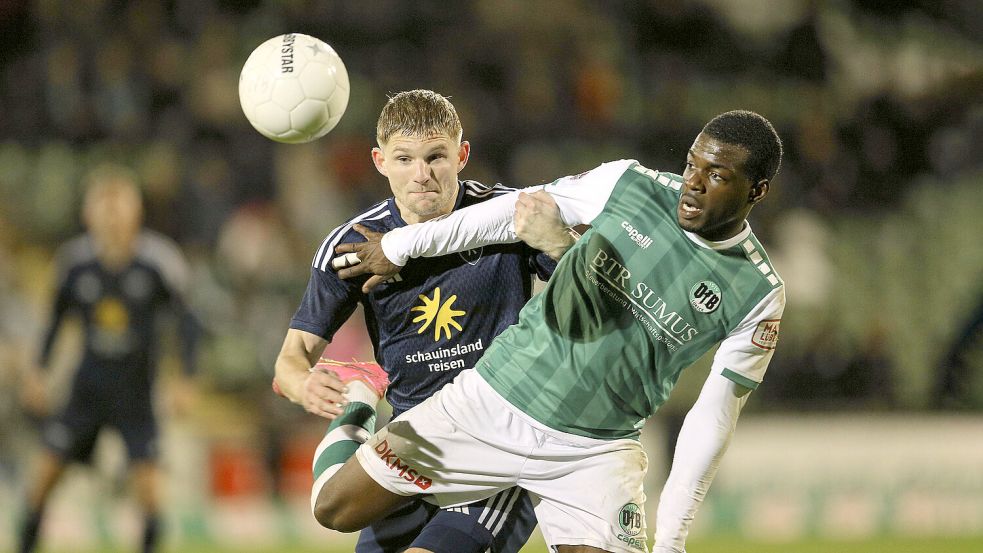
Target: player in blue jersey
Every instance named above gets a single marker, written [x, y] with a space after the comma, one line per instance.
[432, 321]
[116, 279]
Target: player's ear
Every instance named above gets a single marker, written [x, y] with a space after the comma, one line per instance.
[758, 191]
[378, 158]
[463, 153]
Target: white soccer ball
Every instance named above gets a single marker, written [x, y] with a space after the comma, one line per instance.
[293, 88]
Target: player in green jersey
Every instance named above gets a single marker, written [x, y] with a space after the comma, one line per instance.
[669, 269]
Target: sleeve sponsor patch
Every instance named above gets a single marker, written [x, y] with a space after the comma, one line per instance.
[766, 334]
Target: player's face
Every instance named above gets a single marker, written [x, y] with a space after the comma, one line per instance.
[717, 193]
[113, 213]
[422, 173]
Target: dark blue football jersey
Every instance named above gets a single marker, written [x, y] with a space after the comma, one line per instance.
[438, 315]
[120, 312]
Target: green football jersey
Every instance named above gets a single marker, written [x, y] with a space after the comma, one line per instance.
[631, 305]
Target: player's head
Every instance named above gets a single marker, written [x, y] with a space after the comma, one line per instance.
[112, 209]
[418, 113]
[421, 153]
[729, 168]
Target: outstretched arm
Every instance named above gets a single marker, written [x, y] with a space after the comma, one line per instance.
[382, 256]
[701, 445]
[578, 198]
[533, 218]
[490, 222]
[739, 365]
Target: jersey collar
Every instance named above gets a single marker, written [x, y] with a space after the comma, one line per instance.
[723, 244]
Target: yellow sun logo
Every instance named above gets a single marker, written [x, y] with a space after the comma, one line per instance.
[111, 315]
[440, 315]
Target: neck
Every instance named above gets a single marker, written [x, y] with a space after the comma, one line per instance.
[412, 218]
[115, 255]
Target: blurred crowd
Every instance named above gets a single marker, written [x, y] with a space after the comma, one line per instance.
[873, 221]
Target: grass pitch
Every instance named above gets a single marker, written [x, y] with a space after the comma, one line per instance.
[706, 545]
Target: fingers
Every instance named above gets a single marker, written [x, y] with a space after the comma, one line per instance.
[347, 247]
[529, 204]
[345, 261]
[324, 413]
[369, 234]
[523, 204]
[364, 258]
[372, 282]
[543, 197]
[353, 271]
[366, 231]
[536, 201]
[524, 200]
[323, 394]
[323, 377]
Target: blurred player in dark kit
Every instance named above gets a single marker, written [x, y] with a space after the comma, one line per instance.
[117, 279]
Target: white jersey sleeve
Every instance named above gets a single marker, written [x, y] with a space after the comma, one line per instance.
[580, 199]
[702, 442]
[489, 222]
[739, 364]
[743, 356]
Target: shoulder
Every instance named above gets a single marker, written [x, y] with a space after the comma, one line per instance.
[756, 255]
[377, 217]
[73, 253]
[665, 179]
[478, 192]
[164, 255]
[614, 169]
[607, 171]
[477, 189]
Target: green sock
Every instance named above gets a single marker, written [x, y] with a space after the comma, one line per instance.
[350, 430]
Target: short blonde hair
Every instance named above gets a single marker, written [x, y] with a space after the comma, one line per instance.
[113, 177]
[418, 113]
[108, 179]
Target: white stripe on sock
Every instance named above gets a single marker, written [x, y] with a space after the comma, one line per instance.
[345, 432]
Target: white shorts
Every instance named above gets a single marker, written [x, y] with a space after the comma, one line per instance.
[466, 443]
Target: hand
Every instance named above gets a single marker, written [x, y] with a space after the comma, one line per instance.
[33, 394]
[182, 395]
[322, 394]
[364, 258]
[538, 223]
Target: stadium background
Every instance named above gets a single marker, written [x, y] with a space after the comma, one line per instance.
[851, 444]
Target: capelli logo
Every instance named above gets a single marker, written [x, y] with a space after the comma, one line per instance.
[642, 240]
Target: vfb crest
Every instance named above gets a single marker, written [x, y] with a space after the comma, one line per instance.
[705, 296]
[630, 519]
